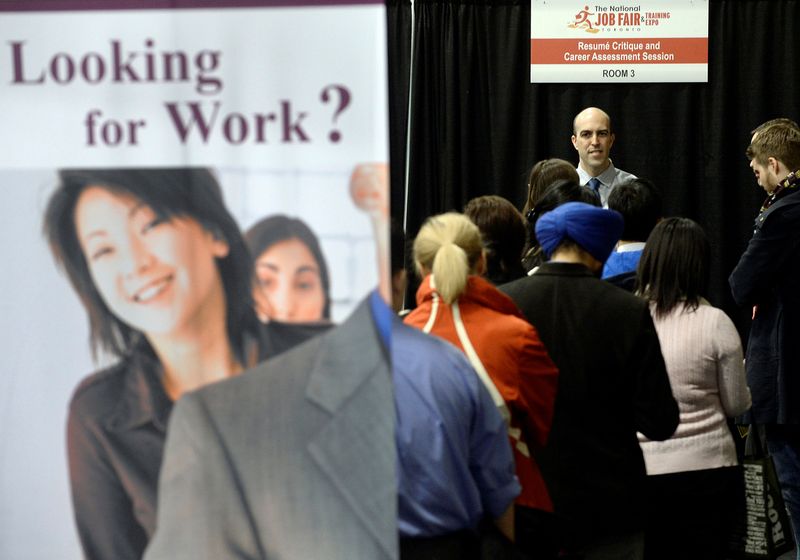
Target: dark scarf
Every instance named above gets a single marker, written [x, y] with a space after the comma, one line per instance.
[787, 186]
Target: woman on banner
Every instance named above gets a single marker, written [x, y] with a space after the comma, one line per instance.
[166, 279]
[292, 282]
[693, 478]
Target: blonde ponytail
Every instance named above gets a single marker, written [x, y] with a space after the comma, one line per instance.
[449, 246]
[450, 271]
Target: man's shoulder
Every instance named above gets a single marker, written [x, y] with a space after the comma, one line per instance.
[621, 262]
[410, 345]
[519, 286]
[281, 378]
[607, 293]
[621, 176]
[604, 297]
[785, 209]
[624, 175]
[578, 278]
[617, 257]
[426, 359]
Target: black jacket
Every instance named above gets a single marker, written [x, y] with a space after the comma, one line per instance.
[612, 383]
[768, 277]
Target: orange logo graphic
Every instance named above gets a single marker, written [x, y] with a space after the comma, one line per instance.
[582, 21]
[612, 18]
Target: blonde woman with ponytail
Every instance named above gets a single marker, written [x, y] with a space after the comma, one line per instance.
[455, 303]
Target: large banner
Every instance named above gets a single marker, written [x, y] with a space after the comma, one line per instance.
[576, 41]
[145, 148]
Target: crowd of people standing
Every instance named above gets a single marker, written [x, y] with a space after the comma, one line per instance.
[649, 374]
[579, 409]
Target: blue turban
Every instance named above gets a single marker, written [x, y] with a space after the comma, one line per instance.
[595, 230]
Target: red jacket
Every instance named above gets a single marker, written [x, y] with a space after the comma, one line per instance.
[508, 348]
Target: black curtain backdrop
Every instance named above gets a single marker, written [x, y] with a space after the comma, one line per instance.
[478, 124]
[398, 13]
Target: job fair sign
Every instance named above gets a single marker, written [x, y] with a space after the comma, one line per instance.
[619, 41]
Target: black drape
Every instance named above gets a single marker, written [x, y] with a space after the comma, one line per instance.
[398, 16]
[478, 124]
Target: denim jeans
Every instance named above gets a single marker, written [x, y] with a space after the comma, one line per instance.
[783, 443]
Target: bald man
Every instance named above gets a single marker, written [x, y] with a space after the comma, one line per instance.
[593, 137]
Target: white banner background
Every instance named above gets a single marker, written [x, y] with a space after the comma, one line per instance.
[267, 57]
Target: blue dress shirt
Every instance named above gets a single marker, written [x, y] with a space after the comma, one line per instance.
[455, 463]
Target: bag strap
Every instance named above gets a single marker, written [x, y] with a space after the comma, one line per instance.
[477, 365]
[753, 445]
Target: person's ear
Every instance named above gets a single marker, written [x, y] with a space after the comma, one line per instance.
[574, 141]
[480, 266]
[219, 245]
[773, 164]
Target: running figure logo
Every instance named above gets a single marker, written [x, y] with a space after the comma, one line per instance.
[582, 21]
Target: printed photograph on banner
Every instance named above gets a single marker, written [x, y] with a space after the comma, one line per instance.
[182, 205]
[612, 41]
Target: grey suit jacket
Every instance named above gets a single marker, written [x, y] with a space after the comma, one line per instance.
[292, 460]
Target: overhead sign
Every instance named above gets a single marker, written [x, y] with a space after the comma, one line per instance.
[619, 41]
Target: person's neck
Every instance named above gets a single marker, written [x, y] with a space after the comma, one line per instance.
[575, 255]
[596, 170]
[200, 354]
[780, 177]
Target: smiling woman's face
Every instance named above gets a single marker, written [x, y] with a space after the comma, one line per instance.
[156, 274]
[289, 277]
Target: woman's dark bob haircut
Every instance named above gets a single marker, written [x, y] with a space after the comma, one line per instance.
[674, 269]
[170, 192]
[559, 193]
[543, 174]
[274, 229]
[503, 230]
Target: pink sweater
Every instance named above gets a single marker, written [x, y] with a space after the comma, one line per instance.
[703, 355]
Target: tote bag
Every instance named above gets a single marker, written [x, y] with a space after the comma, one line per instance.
[763, 528]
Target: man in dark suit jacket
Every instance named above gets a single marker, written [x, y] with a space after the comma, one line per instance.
[612, 383]
[766, 279]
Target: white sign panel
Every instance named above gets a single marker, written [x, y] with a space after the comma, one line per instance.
[619, 41]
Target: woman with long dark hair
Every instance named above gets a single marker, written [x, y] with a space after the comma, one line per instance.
[693, 477]
[292, 277]
[164, 274]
